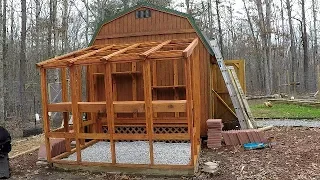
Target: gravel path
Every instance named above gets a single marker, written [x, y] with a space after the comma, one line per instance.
[137, 152]
[289, 122]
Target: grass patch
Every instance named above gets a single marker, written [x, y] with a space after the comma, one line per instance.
[284, 111]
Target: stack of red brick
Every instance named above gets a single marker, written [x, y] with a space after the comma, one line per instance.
[240, 137]
[214, 133]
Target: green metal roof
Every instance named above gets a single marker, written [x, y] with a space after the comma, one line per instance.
[202, 36]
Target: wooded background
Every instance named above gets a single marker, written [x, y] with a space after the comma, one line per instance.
[278, 39]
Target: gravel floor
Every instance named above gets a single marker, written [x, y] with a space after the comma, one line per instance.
[137, 153]
[289, 122]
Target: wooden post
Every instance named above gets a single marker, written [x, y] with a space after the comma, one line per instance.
[175, 82]
[79, 85]
[46, 124]
[196, 90]
[91, 81]
[191, 129]
[154, 83]
[75, 108]
[110, 108]
[64, 88]
[134, 85]
[148, 106]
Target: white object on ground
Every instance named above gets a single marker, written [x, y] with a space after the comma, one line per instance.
[37, 116]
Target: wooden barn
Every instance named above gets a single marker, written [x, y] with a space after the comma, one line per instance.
[149, 76]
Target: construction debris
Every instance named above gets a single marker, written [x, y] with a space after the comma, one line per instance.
[214, 133]
[240, 137]
[211, 167]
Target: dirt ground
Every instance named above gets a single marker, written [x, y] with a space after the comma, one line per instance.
[296, 155]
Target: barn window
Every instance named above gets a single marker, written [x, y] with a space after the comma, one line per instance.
[143, 13]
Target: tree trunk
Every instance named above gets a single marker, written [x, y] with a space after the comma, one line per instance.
[37, 2]
[294, 66]
[22, 70]
[65, 47]
[264, 39]
[219, 27]
[315, 34]
[2, 87]
[256, 46]
[188, 6]
[268, 34]
[305, 47]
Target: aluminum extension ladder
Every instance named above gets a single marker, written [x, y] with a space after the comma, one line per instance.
[237, 96]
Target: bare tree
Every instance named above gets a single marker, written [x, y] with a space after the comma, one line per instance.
[22, 70]
[256, 44]
[315, 34]
[219, 26]
[265, 47]
[2, 90]
[305, 46]
[188, 6]
[65, 26]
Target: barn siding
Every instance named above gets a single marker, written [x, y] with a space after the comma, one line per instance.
[159, 27]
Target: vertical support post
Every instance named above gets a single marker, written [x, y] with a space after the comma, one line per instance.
[79, 88]
[134, 84]
[175, 82]
[75, 108]
[196, 89]
[64, 88]
[154, 83]
[91, 91]
[148, 105]
[110, 108]
[191, 129]
[44, 97]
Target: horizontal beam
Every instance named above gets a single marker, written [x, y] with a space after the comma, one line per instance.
[122, 106]
[158, 122]
[188, 51]
[122, 136]
[61, 135]
[93, 136]
[145, 33]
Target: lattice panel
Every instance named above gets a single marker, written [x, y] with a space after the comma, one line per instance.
[105, 129]
[127, 130]
[170, 130]
[131, 130]
[157, 130]
[173, 141]
[142, 130]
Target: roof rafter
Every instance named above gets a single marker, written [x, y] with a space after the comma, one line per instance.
[121, 53]
[63, 56]
[106, 58]
[71, 61]
[154, 49]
